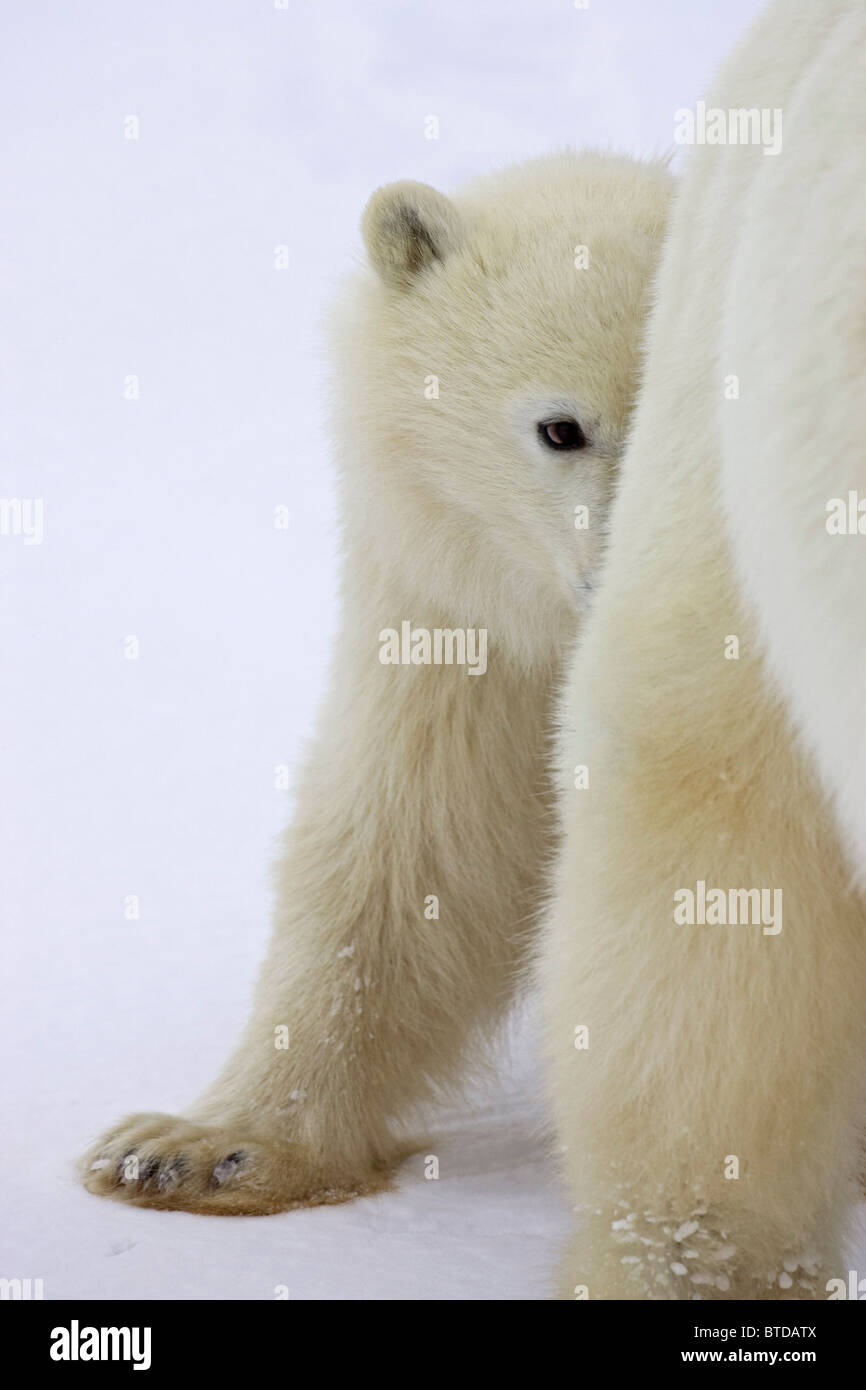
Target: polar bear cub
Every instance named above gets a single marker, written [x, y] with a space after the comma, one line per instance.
[485, 366]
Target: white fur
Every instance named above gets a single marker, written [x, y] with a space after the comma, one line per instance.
[797, 438]
[712, 1043]
[423, 781]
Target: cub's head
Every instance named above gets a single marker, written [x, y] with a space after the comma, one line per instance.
[486, 373]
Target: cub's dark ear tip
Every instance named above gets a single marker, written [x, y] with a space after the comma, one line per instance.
[406, 228]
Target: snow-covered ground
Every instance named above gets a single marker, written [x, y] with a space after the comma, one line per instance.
[153, 779]
[487, 1228]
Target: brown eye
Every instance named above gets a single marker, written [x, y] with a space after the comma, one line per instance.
[562, 434]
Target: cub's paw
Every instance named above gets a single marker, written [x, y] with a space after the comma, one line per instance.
[175, 1164]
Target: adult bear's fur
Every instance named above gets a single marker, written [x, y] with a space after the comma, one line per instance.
[711, 1126]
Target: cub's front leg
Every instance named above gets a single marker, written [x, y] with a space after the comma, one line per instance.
[402, 898]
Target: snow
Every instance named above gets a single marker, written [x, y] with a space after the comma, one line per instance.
[142, 793]
[488, 1227]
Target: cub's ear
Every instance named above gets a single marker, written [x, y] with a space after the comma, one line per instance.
[406, 227]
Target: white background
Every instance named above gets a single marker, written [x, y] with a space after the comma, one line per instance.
[154, 257]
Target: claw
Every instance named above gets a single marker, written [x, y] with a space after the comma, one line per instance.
[226, 1168]
[148, 1170]
[170, 1174]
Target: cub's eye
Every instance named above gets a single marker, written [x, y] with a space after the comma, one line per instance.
[562, 434]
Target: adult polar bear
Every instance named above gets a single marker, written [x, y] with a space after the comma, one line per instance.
[710, 1113]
